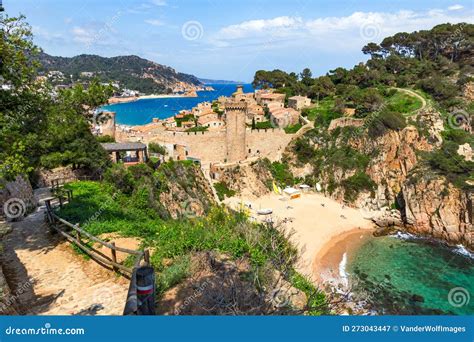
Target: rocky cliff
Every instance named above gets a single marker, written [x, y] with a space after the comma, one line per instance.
[248, 180]
[400, 189]
[187, 193]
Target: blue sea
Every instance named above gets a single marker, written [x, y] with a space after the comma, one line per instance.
[143, 111]
[405, 275]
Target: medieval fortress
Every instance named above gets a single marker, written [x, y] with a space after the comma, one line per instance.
[230, 134]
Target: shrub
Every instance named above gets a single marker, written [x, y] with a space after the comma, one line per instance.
[304, 151]
[156, 148]
[356, 183]
[140, 171]
[282, 174]
[120, 177]
[223, 191]
[386, 120]
[449, 163]
[105, 139]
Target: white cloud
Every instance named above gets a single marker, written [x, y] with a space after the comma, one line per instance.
[83, 35]
[154, 22]
[455, 7]
[344, 33]
[252, 27]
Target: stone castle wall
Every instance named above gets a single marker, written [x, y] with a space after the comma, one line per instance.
[211, 146]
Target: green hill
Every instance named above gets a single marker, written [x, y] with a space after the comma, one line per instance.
[131, 72]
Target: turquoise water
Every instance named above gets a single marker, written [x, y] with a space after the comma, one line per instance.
[143, 111]
[412, 276]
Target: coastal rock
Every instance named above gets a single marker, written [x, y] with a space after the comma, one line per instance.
[420, 202]
[434, 207]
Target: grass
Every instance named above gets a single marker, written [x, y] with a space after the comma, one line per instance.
[101, 208]
[324, 109]
[263, 125]
[292, 129]
[403, 103]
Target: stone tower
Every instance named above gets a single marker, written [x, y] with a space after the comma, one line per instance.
[235, 113]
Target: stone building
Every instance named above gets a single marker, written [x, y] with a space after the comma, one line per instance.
[266, 99]
[299, 102]
[284, 117]
[236, 113]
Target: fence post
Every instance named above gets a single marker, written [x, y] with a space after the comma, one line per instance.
[114, 256]
[145, 290]
[146, 257]
[60, 201]
[78, 235]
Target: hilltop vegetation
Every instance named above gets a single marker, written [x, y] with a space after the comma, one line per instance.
[436, 64]
[132, 72]
[438, 61]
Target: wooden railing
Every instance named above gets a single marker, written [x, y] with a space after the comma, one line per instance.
[76, 234]
[141, 293]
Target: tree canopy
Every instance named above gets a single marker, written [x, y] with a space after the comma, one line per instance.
[39, 127]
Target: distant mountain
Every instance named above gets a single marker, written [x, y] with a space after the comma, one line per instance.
[131, 72]
[209, 81]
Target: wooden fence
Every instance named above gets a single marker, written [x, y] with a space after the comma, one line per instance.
[141, 293]
[74, 234]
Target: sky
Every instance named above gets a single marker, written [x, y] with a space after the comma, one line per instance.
[227, 39]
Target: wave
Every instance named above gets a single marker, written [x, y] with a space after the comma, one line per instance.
[459, 249]
[342, 270]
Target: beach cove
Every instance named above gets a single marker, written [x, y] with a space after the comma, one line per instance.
[384, 275]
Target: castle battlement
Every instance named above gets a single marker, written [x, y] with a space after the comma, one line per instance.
[236, 106]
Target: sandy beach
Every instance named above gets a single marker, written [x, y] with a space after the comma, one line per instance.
[315, 220]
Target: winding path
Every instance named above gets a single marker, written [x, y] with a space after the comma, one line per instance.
[414, 94]
[48, 278]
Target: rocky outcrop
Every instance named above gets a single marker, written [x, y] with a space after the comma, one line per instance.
[434, 207]
[345, 122]
[469, 91]
[248, 180]
[16, 198]
[64, 173]
[406, 195]
[188, 192]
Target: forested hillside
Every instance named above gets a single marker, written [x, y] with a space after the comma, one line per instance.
[131, 72]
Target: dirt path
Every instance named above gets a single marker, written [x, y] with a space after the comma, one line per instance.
[414, 94]
[49, 278]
